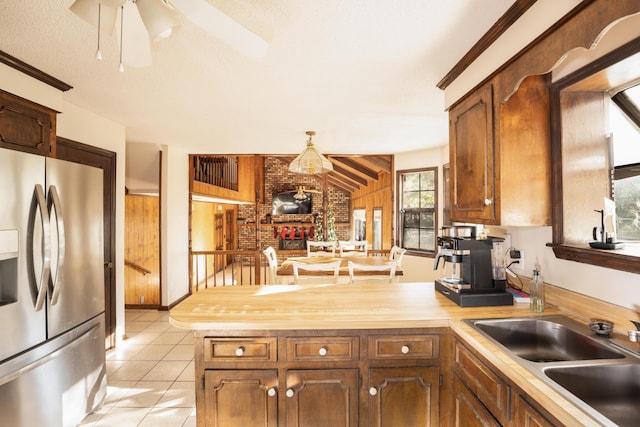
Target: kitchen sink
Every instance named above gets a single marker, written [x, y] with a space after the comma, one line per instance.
[595, 373]
[550, 339]
[611, 389]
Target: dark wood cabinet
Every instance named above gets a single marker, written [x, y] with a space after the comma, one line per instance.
[240, 398]
[468, 411]
[500, 156]
[483, 397]
[404, 396]
[471, 147]
[322, 397]
[26, 126]
[350, 378]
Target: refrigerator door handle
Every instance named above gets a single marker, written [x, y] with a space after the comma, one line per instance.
[54, 203]
[38, 288]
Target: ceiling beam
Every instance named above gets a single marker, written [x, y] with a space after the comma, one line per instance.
[354, 164]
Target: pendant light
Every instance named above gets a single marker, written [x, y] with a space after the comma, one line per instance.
[310, 161]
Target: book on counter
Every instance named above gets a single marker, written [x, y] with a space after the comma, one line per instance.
[519, 296]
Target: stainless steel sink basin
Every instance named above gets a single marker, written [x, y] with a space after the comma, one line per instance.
[613, 389]
[600, 378]
[551, 339]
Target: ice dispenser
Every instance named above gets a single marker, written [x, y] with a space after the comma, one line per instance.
[8, 266]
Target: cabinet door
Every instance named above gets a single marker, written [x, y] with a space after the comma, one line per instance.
[527, 416]
[404, 396]
[471, 148]
[320, 398]
[240, 398]
[26, 126]
[467, 409]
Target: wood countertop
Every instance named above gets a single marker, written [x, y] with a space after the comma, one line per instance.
[364, 306]
[342, 306]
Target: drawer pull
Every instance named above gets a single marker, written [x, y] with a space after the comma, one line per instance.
[405, 349]
[271, 392]
[373, 391]
[239, 351]
[290, 393]
[323, 351]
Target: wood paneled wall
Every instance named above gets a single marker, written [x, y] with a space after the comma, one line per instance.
[142, 249]
[378, 194]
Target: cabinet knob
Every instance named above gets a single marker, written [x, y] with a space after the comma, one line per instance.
[405, 349]
[239, 351]
[373, 391]
[289, 393]
[323, 351]
[488, 201]
[271, 392]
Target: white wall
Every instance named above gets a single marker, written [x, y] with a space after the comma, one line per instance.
[83, 126]
[174, 224]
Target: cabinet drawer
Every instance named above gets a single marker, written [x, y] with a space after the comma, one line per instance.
[489, 388]
[239, 349]
[323, 348]
[404, 346]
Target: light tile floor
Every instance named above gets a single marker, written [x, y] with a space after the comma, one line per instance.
[150, 376]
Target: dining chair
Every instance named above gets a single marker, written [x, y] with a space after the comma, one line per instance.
[389, 266]
[317, 248]
[353, 247]
[272, 258]
[396, 255]
[321, 269]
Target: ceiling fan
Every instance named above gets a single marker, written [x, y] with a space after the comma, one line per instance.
[301, 193]
[139, 22]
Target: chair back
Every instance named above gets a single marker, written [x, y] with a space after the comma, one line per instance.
[272, 258]
[316, 248]
[354, 248]
[396, 255]
[389, 266]
[320, 269]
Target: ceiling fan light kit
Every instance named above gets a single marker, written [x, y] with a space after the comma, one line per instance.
[310, 161]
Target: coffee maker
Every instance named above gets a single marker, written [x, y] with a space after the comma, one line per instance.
[477, 275]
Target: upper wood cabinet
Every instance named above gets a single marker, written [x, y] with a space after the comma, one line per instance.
[26, 126]
[500, 156]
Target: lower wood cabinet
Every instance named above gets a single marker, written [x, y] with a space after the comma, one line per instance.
[344, 378]
[483, 397]
[404, 396]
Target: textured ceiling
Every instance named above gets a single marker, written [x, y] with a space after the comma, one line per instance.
[361, 73]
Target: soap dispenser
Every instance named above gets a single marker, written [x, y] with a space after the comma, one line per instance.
[536, 290]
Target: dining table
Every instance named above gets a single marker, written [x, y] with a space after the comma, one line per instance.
[286, 268]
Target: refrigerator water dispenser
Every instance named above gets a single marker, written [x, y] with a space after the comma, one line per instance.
[8, 266]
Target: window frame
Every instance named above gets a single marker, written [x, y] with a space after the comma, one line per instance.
[400, 209]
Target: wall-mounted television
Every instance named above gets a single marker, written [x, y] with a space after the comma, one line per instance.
[285, 203]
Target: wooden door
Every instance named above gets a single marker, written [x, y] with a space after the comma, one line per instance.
[320, 398]
[406, 397]
[471, 149]
[240, 398]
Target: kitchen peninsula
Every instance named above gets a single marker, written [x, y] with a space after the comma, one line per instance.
[355, 355]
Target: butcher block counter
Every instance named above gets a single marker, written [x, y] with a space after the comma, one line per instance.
[354, 355]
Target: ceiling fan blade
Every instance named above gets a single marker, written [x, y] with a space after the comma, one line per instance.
[219, 25]
[136, 47]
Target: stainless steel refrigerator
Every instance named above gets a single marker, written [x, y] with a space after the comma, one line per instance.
[52, 339]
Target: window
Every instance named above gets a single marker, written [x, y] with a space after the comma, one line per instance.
[417, 209]
[624, 113]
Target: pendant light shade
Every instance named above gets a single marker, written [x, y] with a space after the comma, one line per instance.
[311, 161]
[157, 17]
[101, 14]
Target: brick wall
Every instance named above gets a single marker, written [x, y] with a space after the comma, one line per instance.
[278, 179]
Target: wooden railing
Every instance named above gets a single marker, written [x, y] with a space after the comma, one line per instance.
[238, 268]
[137, 267]
[221, 171]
